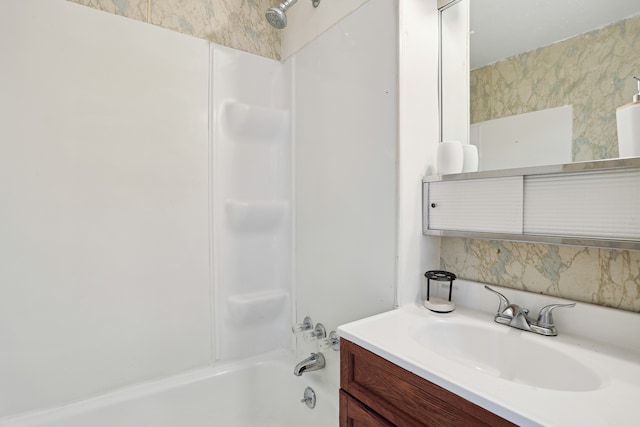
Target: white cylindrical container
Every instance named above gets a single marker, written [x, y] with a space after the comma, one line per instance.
[449, 158]
[628, 121]
[470, 156]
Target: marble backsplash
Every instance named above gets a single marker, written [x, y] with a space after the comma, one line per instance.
[599, 276]
[239, 24]
[592, 71]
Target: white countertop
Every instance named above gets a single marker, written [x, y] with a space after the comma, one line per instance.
[607, 396]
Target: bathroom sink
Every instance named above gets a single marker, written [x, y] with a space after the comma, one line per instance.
[526, 378]
[507, 353]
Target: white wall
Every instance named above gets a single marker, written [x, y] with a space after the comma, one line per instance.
[305, 23]
[418, 139]
[345, 171]
[104, 199]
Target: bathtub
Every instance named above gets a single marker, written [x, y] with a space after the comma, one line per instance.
[254, 393]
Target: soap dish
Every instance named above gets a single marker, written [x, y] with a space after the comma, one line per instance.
[439, 305]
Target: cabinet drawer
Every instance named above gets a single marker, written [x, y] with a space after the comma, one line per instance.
[355, 414]
[404, 398]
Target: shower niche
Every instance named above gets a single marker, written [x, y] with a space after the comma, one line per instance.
[254, 123]
[252, 189]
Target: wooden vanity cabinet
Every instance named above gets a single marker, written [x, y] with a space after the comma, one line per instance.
[377, 393]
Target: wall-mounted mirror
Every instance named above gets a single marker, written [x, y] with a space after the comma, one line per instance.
[546, 77]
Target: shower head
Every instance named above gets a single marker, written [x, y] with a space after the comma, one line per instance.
[276, 15]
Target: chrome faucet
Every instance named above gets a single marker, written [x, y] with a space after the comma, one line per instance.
[312, 363]
[517, 317]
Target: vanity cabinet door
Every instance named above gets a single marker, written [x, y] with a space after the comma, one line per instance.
[355, 414]
[491, 205]
[394, 396]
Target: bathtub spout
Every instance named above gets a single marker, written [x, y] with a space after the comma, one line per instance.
[312, 363]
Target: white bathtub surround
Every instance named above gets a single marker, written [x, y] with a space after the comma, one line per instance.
[255, 392]
[588, 375]
[163, 241]
[345, 172]
[104, 218]
[305, 22]
[147, 177]
[251, 109]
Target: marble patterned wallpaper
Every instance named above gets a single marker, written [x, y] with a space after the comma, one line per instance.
[593, 72]
[599, 276]
[239, 24]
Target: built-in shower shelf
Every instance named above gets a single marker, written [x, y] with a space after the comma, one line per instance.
[257, 307]
[252, 123]
[257, 215]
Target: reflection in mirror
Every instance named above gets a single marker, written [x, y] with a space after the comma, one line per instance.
[561, 67]
[454, 71]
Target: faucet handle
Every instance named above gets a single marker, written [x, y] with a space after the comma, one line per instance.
[315, 334]
[306, 325]
[504, 302]
[332, 342]
[545, 318]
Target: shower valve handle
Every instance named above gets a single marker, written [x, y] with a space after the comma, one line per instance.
[306, 325]
[317, 333]
[332, 342]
